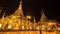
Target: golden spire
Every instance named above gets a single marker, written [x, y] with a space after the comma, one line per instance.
[19, 10]
[3, 17]
[43, 17]
[34, 20]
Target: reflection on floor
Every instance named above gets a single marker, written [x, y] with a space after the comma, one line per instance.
[30, 32]
[21, 32]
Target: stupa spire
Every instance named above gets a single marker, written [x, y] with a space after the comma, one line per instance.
[34, 20]
[43, 17]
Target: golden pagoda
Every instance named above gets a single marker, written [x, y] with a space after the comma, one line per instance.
[16, 21]
[43, 17]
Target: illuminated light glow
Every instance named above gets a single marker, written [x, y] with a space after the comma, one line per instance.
[22, 27]
[0, 25]
[9, 26]
[38, 28]
[58, 28]
[51, 23]
[29, 17]
[27, 27]
[49, 28]
[10, 21]
[30, 27]
[43, 26]
[14, 17]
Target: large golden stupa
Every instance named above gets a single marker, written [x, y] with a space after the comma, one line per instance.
[17, 21]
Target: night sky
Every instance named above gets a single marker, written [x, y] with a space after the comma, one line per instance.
[33, 7]
[9, 7]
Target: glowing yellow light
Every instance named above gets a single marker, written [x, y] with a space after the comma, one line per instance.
[0, 25]
[30, 27]
[10, 21]
[43, 26]
[27, 27]
[22, 27]
[49, 28]
[14, 17]
[9, 26]
[50, 23]
[58, 28]
[29, 17]
[38, 28]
